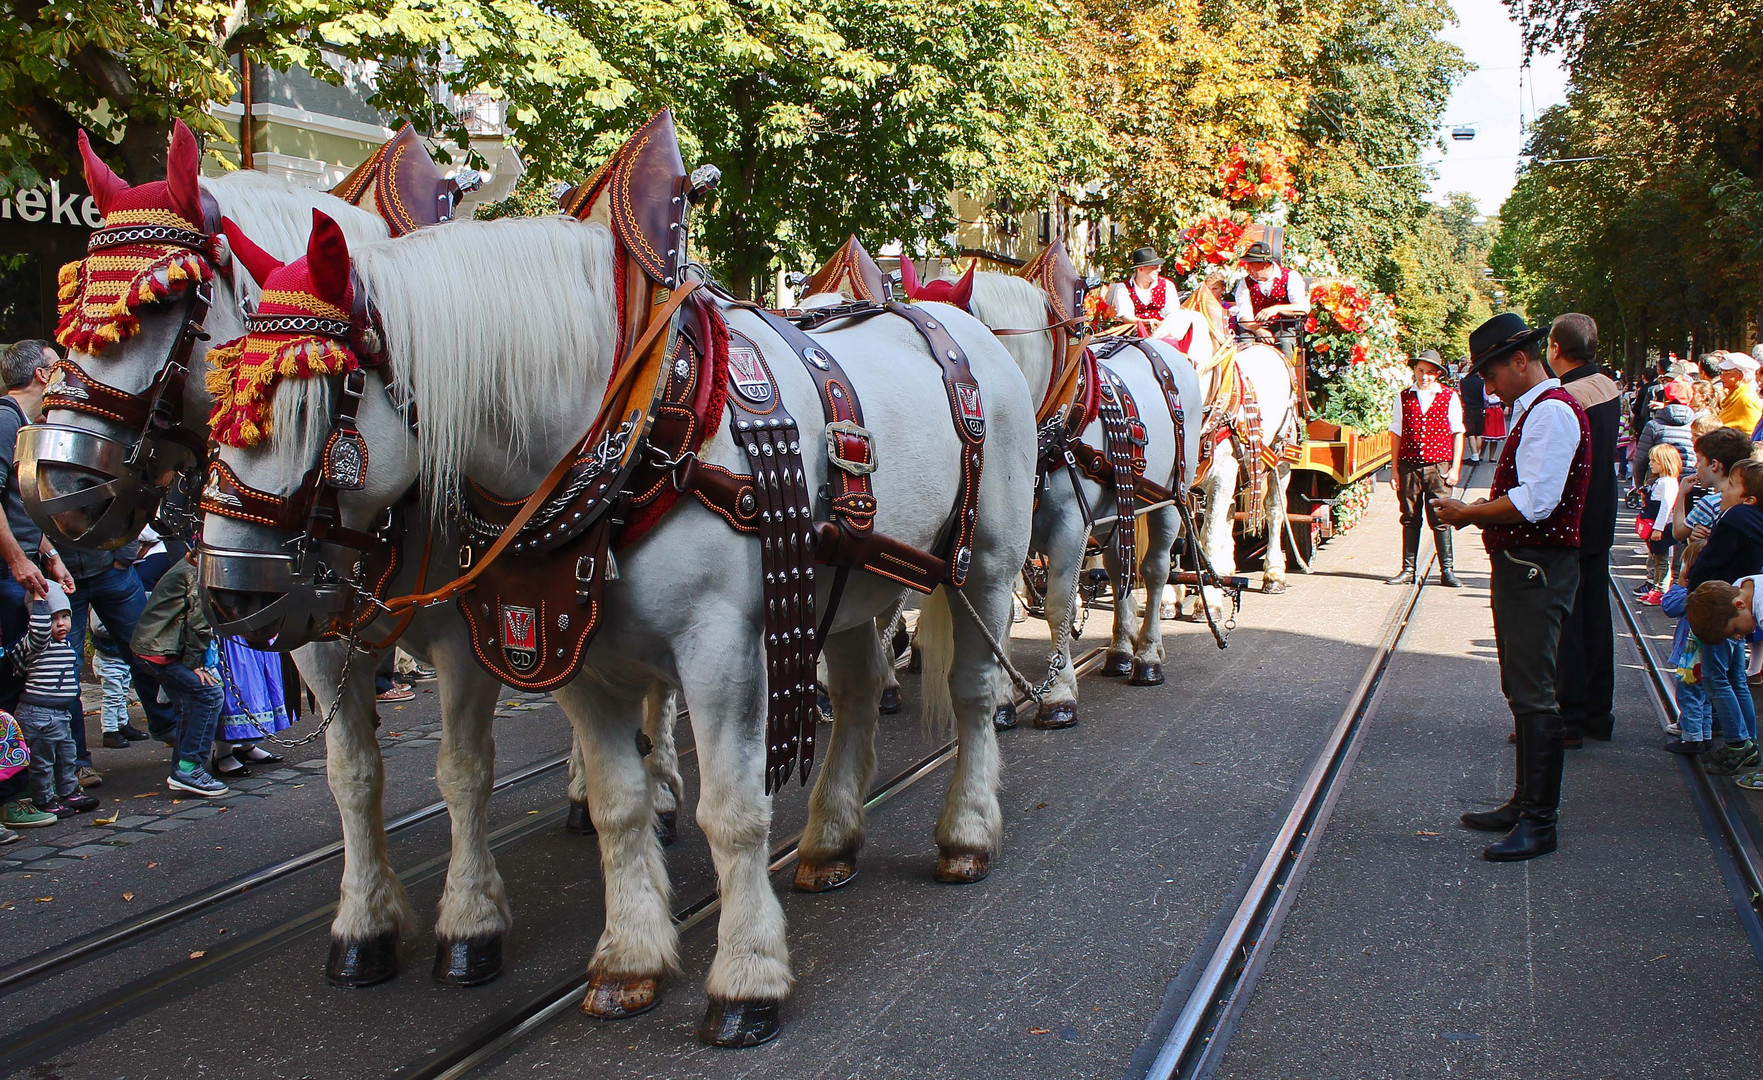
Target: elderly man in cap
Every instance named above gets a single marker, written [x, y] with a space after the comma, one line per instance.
[1740, 407]
[1270, 299]
[1146, 296]
[1426, 455]
[1530, 524]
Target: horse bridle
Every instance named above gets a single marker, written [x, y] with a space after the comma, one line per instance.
[162, 445]
[330, 582]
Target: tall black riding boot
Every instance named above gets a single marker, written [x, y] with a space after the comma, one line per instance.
[1410, 550]
[1502, 818]
[1540, 735]
[1447, 559]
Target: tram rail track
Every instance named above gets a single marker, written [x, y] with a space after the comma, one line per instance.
[1725, 818]
[1196, 1043]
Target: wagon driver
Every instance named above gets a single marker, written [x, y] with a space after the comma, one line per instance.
[1530, 524]
[1146, 297]
[1270, 299]
[1426, 452]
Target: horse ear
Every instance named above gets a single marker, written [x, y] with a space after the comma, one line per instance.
[327, 260]
[183, 171]
[258, 262]
[963, 290]
[104, 184]
[908, 277]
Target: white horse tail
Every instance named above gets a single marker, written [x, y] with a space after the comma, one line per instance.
[936, 645]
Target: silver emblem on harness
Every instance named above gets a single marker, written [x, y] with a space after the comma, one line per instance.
[520, 637]
[749, 375]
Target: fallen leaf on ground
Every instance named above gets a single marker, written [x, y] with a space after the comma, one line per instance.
[530, 812]
[1040, 806]
[145, 795]
[151, 865]
[111, 820]
[128, 896]
[44, 899]
[6, 905]
[1426, 832]
[1040, 1031]
[199, 954]
[1658, 958]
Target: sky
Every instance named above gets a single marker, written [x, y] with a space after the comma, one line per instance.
[1490, 99]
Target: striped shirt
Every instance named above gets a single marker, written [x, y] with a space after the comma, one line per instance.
[52, 674]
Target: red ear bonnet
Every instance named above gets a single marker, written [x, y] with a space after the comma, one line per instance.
[183, 170]
[327, 260]
[947, 292]
[962, 292]
[105, 184]
[908, 277]
[258, 262]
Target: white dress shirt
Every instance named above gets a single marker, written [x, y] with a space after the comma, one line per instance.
[1453, 411]
[1121, 300]
[1297, 296]
[1545, 452]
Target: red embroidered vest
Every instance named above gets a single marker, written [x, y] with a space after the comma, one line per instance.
[1149, 310]
[1274, 295]
[1426, 433]
[1561, 527]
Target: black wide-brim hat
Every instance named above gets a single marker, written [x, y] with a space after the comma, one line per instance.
[1146, 257]
[1498, 337]
[1260, 251]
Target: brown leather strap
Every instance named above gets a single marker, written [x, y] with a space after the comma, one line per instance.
[1118, 415]
[1172, 400]
[658, 324]
[970, 426]
[850, 450]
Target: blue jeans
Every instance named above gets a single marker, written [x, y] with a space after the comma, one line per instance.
[1694, 715]
[15, 622]
[198, 711]
[117, 596]
[1723, 673]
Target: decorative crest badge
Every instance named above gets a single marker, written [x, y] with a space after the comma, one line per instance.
[748, 373]
[520, 637]
[973, 414]
[345, 461]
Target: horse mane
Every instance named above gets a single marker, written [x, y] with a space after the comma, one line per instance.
[277, 215]
[1007, 302]
[485, 321]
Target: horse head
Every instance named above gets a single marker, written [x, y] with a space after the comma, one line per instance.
[130, 319]
[292, 512]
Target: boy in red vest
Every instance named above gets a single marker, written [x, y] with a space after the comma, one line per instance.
[1530, 524]
[1426, 453]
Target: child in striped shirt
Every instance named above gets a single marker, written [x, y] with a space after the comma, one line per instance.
[51, 706]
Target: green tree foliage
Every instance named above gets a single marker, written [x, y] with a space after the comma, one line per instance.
[1661, 237]
[1440, 290]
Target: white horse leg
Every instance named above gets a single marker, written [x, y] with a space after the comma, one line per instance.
[639, 945]
[1273, 575]
[957, 657]
[373, 908]
[1147, 660]
[750, 976]
[1068, 538]
[473, 914]
[1220, 541]
[834, 834]
[667, 789]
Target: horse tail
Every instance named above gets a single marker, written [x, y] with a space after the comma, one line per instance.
[936, 646]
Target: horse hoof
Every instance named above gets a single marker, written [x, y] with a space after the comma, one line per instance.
[1005, 718]
[1060, 714]
[579, 820]
[916, 661]
[962, 867]
[739, 1024]
[1117, 664]
[890, 701]
[355, 964]
[468, 962]
[1166, 612]
[825, 875]
[1272, 587]
[1146, 673]
[613, 997]
[667, 827]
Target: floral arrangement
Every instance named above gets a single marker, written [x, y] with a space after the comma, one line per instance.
[1257, 178]
[1215, 240]
[1351, 502]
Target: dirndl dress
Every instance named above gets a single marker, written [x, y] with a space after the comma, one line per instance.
[15, 754]
[1494, 424]
[253, 705]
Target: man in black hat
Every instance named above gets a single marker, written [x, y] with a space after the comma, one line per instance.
[1270, 300]
[1426, 455]
[1146, 296]
[1530, 523]
[1588, 642]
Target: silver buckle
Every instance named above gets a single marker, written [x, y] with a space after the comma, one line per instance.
[851, 428]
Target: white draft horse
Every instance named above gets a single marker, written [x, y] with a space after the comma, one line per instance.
[505, 365]
[374, 910]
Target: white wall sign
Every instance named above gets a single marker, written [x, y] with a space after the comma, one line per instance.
[46, 203]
